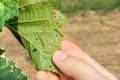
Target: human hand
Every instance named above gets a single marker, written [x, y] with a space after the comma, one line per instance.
[74, 64]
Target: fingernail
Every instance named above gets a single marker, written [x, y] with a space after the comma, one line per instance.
[59, 56]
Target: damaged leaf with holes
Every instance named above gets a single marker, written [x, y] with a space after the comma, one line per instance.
[8, 10]
[8, 71]
[39, 26]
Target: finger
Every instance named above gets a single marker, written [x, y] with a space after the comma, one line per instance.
[46, 75]
[64, 77]
[75, 67]
[72, 49]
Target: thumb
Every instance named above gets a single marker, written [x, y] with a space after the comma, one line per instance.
[75, 67]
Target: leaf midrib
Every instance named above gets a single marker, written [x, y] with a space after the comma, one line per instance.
[38, 20]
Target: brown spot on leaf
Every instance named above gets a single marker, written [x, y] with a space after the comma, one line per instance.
[53, 14]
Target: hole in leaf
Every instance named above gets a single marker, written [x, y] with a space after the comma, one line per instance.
[50, 66]
[47, 41]
[59, 16]
[45, 58]
[43, 29]
[50, 45]
[36, 38]
[34, 50]
[56, 35]
[23, 8]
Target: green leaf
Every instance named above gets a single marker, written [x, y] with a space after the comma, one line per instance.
[1, 52]
[8, 71]
[8, 9]
[39, 26]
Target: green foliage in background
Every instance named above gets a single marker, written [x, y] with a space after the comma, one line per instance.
[99, 4]
[69, 6]
[8, 71]
[8, 9]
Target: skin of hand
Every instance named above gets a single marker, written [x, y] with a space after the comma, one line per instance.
[74, 64]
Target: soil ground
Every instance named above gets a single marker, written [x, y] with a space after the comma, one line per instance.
[98, 35]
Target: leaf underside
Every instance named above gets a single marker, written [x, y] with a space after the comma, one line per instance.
[8, 9]
[39, 26]
[8, 71]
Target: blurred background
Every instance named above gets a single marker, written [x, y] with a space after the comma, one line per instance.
[93, 25]
[69, 6]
